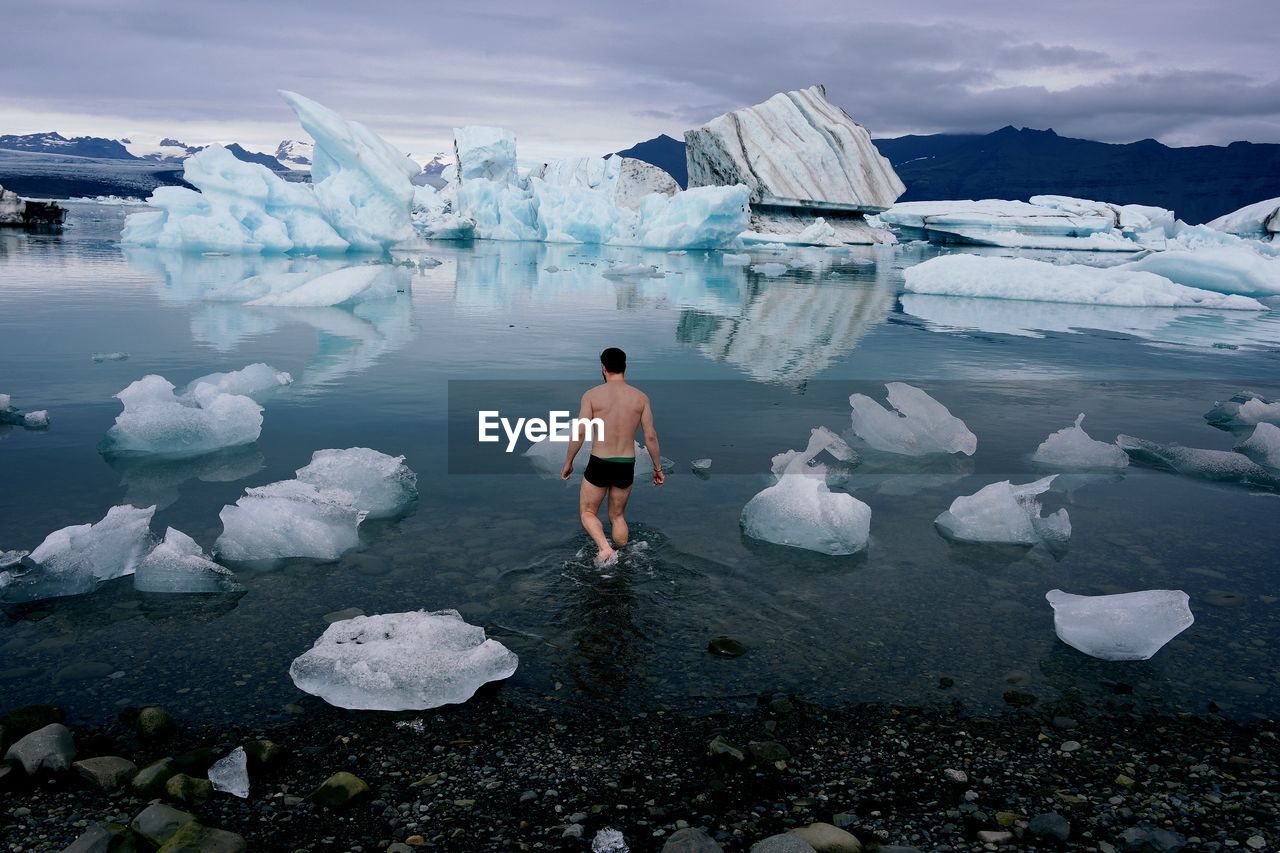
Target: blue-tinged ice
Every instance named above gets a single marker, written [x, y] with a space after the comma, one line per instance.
[178, 565]
[290, 518]
[74, 560]
[383, 486]
[401, 662]
[914, 425]
[1128, 626]
[1005, 514]
[1243, 410]
[1222, 466]
[1223, 269]
[1263, 446]
[12, 416]
[230, 774]
[1072, 447]
[1259, 221]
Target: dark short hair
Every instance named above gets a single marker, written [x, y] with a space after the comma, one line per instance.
[614, 360]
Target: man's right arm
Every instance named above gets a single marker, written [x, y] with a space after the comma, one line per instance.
[575, 444]
[651, 443]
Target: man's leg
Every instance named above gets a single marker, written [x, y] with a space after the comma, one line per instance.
[617, 524]
[589, 498]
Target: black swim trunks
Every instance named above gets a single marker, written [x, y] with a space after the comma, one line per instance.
[610, 472]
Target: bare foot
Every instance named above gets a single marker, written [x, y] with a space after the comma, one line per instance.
[605, 556]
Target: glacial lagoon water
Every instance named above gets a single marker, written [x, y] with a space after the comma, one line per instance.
[741, 366]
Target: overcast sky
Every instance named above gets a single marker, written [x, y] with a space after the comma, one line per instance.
[588, 76]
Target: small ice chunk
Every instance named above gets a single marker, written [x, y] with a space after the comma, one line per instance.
[99, 357]
[401, 661]
[156, 420]
[800, 511]
[770, 269]
[1222, 466]
[735, 259]
[701, 464]
[633, 271]
[1128, 626]
[73, 560]
[1003, 513]
[609, 840]
[290, 518]
[177, 565]
[1243, 410]
[383, 485]
[36, 420]
[231, 774]
[917, 425]
[1263, 446]
[247, 381]
[14, 417]
[6, 402]
[1071, 447]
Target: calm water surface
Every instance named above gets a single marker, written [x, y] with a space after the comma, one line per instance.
[741, 366]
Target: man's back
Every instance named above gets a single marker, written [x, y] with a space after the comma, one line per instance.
[620, 406]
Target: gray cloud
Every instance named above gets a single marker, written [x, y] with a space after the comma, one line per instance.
[584, 77]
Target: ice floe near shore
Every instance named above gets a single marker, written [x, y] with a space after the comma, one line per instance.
[74, 560]
[12, 416]
[1072, 447]
[990, 277]
[1127, 626]
[1224, 269]
[178, 565]
[915, 424]
[1223, 466]
[1005, 514]
[401, 661]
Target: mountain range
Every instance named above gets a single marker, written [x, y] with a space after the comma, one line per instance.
[1198, 183]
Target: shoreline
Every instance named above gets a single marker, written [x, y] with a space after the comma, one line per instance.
[496, 774]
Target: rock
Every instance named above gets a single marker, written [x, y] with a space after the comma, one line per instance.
[781, 706]
[339, 789]
[196, 838]
[108, 772]
[1125, 781]
[784, 843]
[573, 830]
[1051, 826]
[992, 836]
[691, 840]
[1152, 839]
[1006, 818]
[725, 750]
[825, 838]
[767, 751]
[726, 647]
[197, 760]
[104, 838]
[956, 777]
[1255, 842]
[150, 779]
[27, 718]
[263, 753]
[188, 789]
[157, 822]
[1018, 699]
[1070, 746]
[155, 723]
[50, 749]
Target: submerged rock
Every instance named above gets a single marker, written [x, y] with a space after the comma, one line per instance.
[1128, 626]
[339, 790]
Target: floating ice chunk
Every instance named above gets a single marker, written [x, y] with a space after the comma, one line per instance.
[10, 559]
[701, 464]
[609, 840]
[992, 277]
[155, 420]
[770, 268]
[382, 485]
[99, 357]
[247, 381]
[1003, 513]
[917, 425]
[36, 420]
[1223, 269]
[231, 774]
[731, 259]
[1243, 410]
[14, 417]
[1260, 220]
[1071, 447]
[820, 439]
[633, 271]
[1219, 465]
[6, 402]
[1128, 626]
[73, 560]
[1263, 446]
[702, 218]
[177, 565]
[401, 661]
[800, 511]
[484, 153]
[290, 518]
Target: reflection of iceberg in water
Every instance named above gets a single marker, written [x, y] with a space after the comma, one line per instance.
[1188, 326]
[352, 335]
[148, 480]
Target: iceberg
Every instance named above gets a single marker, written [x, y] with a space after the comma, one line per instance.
[289, 518]
[799, 155]
[1260, 220]
[401, 661]
[1128, 626]
[484, 153]
[11, 416]
[1222, 466]
[230, 774]
[800, 511]
[74, 560]
[1243, 410]
[1071, 447]
[1263, 445]
[177, 565]
[156, 420]
[1005, 514]
[916, 424]
[359, 197]
[255, 379]
[622, 180]
[1010, 224]
[991, 277]
[382, 485]
[1222, 269]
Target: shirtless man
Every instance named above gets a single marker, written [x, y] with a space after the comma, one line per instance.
[612, 465]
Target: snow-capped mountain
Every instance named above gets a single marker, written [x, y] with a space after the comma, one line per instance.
[296, 154]
[56, 143]
[167, 150]
[436, 164]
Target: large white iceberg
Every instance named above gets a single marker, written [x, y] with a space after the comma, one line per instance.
[73, 560]
[212, 413]
[177, 565]
[1223, 466]
[800, 511]
[401, 661]
[622, 180]
[997, 222]
[1260, 220]
[914, 425]
[289, 518]
[359, 197]
[991, 277]
[1223, 269]
[1263, 445]
[383, 485]
[484, 153]
[1072, 447]
[1128, 626]
[1003, 513]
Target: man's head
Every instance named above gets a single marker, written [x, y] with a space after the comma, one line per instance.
[613, 361]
